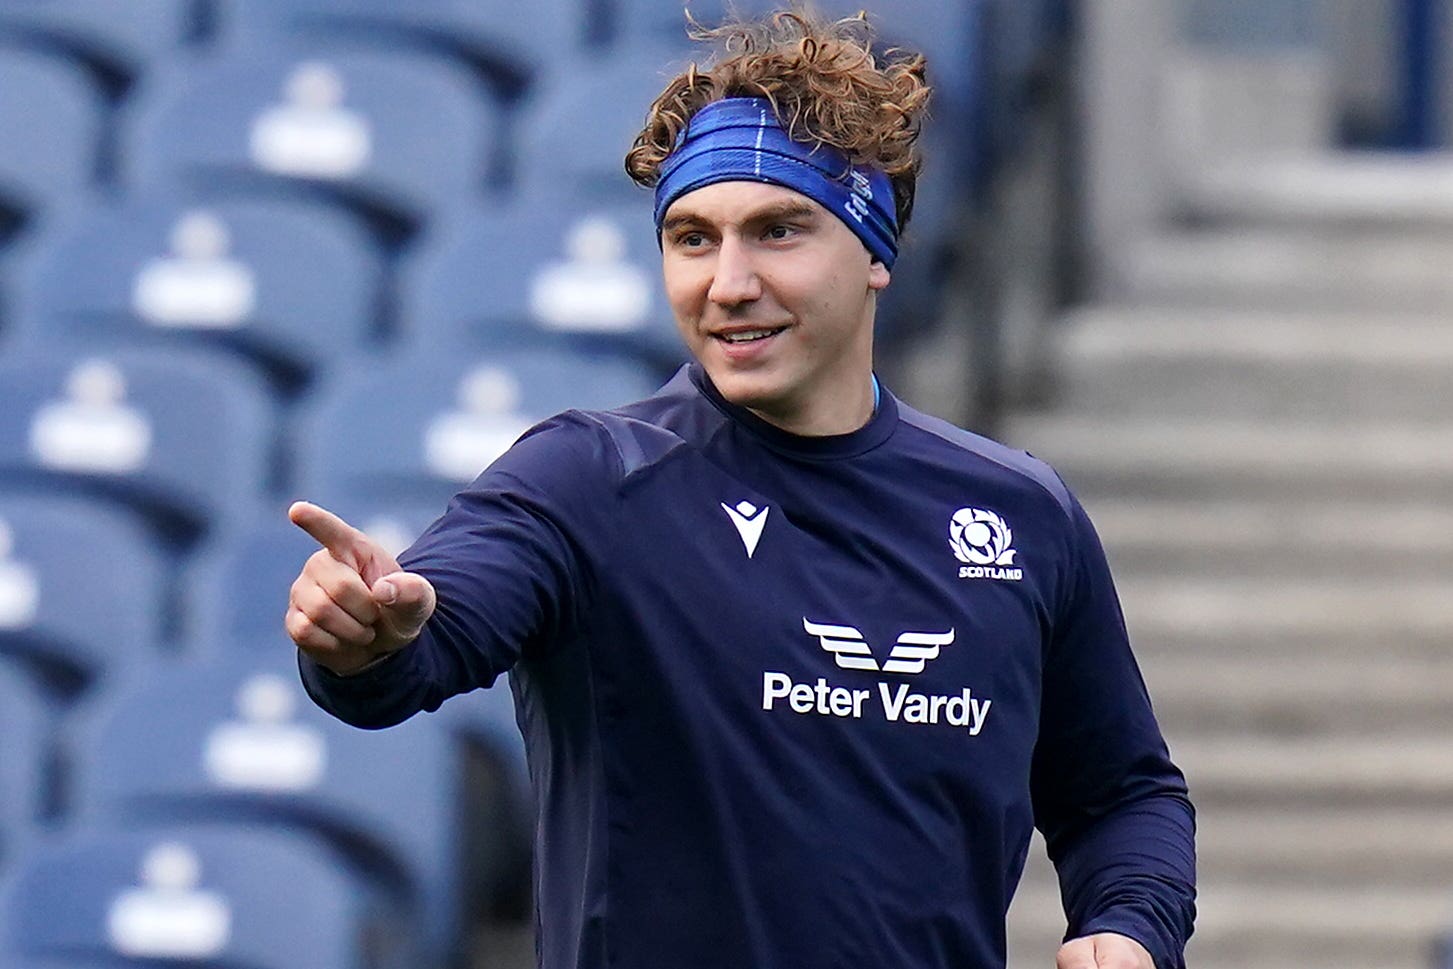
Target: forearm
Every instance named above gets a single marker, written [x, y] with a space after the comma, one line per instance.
[1132, 871]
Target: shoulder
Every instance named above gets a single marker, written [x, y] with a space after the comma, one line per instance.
[578, 447]
[1029, 471]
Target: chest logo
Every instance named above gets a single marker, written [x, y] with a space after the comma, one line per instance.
[897, 701]
[984, 543]
[749, 521]
[850, 649]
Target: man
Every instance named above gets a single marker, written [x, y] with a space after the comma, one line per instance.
[798, 667]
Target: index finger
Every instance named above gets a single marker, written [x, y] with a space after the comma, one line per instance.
[327, 529]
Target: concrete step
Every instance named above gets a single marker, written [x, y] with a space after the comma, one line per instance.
[1117, 361]
[1253, 770]
[1259, 925]
[1275, 537]
[1331, 191]
[1226, 458]
[1292, 696]
[1280, 268]
[1397, 847]
[1163, 608]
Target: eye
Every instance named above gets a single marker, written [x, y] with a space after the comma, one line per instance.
[688, 239]
[779, 231]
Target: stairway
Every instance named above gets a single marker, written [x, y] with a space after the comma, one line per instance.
[1261, 426]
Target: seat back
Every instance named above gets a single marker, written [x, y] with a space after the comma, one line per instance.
[513, 42]
[182, 437]
[460, 413]
[345, 123]
[235, 737]
[121, 37]
[566, 270]
[61, 112]
[83, 588]
[287, 284]
[24, 759]
[209, 896]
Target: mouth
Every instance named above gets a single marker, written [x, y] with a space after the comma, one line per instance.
[737, 337]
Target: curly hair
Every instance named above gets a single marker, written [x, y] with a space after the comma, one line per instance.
[824, 82]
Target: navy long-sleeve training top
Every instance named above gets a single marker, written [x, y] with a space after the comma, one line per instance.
[792, 702]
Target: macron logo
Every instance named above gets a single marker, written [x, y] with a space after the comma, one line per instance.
[749, 520]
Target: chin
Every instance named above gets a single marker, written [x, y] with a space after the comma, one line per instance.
[745, 389]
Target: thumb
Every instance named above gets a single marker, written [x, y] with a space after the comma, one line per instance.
[406, 601]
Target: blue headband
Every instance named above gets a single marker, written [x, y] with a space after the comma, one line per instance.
[740, 139]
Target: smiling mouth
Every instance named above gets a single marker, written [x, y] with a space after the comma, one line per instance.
[749, 336]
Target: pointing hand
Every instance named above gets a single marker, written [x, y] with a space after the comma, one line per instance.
[352, 603]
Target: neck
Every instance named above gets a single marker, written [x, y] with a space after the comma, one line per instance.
[845, 410]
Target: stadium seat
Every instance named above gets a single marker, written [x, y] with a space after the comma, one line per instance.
[413, 808]
[512, 42]
[288, 285]
[563, 270]
[206, 896]
[349, 124]
[236, 587]
[24, 759]
[184, 438]
[82, 589]
[61, 112]
[122, 38]
[458, 413]
[576, 128]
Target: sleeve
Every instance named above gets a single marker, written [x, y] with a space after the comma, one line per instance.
[509, 559]
[1113, 808]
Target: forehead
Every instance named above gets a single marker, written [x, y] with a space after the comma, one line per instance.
[739, 201]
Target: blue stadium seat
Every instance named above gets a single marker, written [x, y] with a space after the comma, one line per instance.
[120, 37]
[411, 807]
[13, 960]
[576, 128]
[206, 896]
[565, 270]
[288, 285]
[458, 414]
[236, 587]
[182, 437]
[25, 721]
[61, 113]
[393, 132]
[82, 589]
[512, 41]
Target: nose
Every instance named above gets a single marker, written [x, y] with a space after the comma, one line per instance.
[734, 278]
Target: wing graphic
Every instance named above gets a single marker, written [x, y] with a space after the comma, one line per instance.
[915, 649]
[845, 643]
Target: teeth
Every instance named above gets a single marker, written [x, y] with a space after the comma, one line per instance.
[747, 336]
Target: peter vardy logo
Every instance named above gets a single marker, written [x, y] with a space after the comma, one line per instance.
[909, 655]
[851, 650]
[984, 543]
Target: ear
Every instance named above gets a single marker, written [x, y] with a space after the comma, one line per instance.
[878, 275]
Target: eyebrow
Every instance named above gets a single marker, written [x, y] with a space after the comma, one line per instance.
[767, 213]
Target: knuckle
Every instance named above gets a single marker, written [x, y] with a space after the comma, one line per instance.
[299, 626]
[339, 586]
